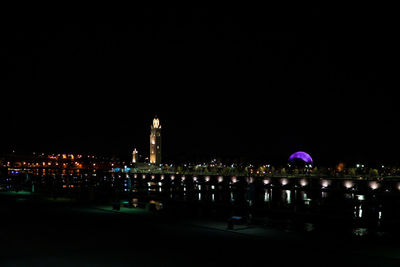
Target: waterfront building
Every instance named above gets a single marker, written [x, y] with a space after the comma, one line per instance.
[155, 142]
[135, 156]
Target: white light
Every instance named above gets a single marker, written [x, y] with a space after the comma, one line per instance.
[325, 183]
[266, 181]
[234, 179]
[284, 181]
[348, 184]
[303, 182]
[374, 185]
[220, 179]
[207, 178]
[266, 196]
[288, 196]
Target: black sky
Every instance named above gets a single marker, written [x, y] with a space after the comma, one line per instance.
[254, 83]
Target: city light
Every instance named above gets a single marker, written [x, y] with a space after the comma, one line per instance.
[303, 182]
[325, 183]
[348, 184]
[373, 185]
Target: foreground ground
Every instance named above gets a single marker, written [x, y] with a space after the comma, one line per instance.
[40, 232]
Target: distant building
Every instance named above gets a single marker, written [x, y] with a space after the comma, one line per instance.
[135, 156]
[155, 142]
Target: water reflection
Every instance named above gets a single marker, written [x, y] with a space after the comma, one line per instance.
[309, 227]
[267, 195]
[358, 211]
[360, 231]
[341, 201]
[305, 198]
[286, 197]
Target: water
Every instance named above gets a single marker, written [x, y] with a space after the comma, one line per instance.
[307, 205]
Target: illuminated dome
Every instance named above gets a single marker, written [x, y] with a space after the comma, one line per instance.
[300, 155]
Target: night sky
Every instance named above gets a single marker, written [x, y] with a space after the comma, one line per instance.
[259, 84]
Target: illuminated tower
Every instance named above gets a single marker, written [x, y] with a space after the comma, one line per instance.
[155, 142]
[135, 156]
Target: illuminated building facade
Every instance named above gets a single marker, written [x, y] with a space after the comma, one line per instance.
[155, 142]
[135, 156]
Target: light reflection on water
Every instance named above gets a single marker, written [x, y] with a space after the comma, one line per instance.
[360, 231]
[358, 212]
[267, 195]
[309, 227]
[287, 197]
[359, 208]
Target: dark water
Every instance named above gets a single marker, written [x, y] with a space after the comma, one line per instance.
[352, 207]
[349, 210]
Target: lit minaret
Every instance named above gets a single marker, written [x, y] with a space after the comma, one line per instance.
[155, 142]
[135, 156]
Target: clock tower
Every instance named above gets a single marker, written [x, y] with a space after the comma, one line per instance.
[155, 142]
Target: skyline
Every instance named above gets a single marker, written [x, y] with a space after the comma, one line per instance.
[224, 83]
[143, 156]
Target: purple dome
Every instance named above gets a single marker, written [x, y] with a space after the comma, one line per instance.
[302, 156]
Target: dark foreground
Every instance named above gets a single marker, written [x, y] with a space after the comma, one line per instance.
[39, 232]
